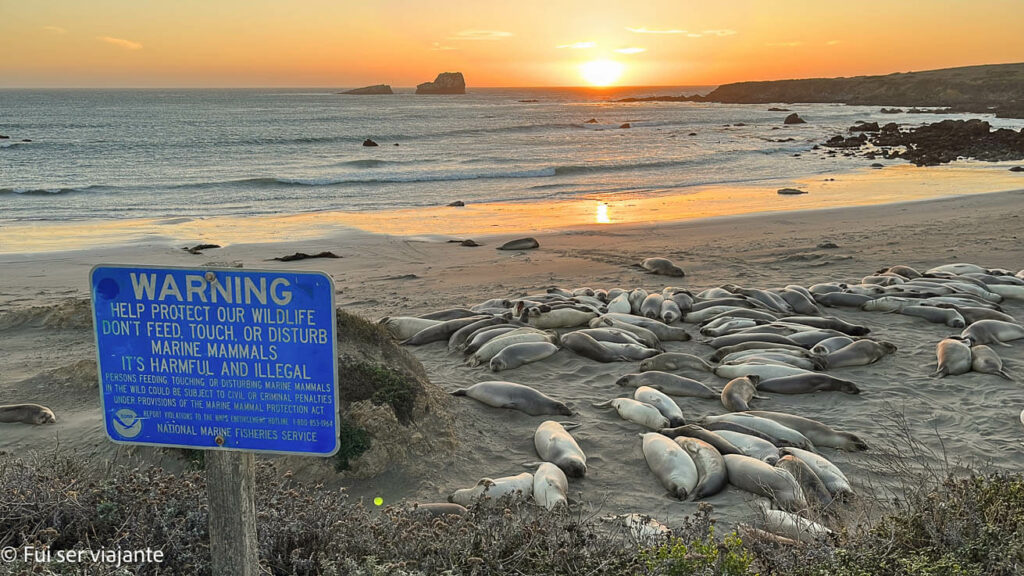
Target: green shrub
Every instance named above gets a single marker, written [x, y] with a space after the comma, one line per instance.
[352, 441]
[702, 557]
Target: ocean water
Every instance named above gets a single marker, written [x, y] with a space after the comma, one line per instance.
[202, 153]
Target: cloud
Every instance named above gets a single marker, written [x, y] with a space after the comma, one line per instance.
[440, 47]
[55, 30]
[631, 50]
[646, 31]
[120, 42]
[785, 44]
[578, 45]
[831, 42]
[481, 35]
[720, 32]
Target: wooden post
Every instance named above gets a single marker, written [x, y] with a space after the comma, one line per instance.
[231, 489]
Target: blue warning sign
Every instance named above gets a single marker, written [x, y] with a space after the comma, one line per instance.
[217, 358]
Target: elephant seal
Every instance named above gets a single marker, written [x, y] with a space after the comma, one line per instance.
[554, 444]
[405, 327]
[807, 383]
[669, 384]
[954, 356]
[674, 361]
[765, 371]
[859, 353]
[833, 478]
[710, 467]
[693, 431]
[819, 434]
[667, 406]
[485, 336]
[745, 346]
[550, 486]
[438, 509]
[520, 244]
[738, 392]
[789, 525]
[449, 314]
[831, 345]
[27, 414]
[763, 479]
[830, 323]
[905, 271]
[613, 335]
[752, 446]
[560, 318]
[744, 337]
[986, 361]
[491, 490]
[458, 339]
[586, 346]
[651, 306]
[645, 336]
[957, 269]
[670, 312]
[660, 329]
[518, 354]
[993, 332]
[671, 464]
[782, 434]
[637, 412]
[662, 266]
[494, 346]
[620, 304]
[514, 397]
[972, 314]
[814, 489]
[442, 331]
[935, 315]
[833, 299]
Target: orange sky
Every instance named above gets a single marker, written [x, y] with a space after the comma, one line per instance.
[335, 43]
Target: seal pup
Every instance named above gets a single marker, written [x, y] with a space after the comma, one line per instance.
[738, 392]
[554, 444]
[514, 396]
[763, 479]
[670, 312]
[710, 467]
[550, 486]
[993, 332]
[674, 361]
[860, 353]
[671, 464]
[637, 412]
[651, 306]
[491, 490]
[669, 384]
[831, 476]
[517, 355]
[954, 356]
[986, 361]
[819, 434]
[27, 414]
[807, 383]
[662, 266]
[667, 406]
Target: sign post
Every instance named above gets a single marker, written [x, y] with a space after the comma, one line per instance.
[230, 361]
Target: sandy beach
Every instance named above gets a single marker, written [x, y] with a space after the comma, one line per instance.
[49, 357]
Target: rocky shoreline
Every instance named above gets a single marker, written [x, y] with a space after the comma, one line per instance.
[932, 144]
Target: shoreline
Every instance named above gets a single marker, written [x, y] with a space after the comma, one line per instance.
[893, 184]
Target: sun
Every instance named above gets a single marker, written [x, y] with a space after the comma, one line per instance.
[601, 72]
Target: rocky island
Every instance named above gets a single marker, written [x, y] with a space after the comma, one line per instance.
[997, 88]
[445, 83]
[369, 90]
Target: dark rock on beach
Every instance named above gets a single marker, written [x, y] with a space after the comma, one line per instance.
[877, 165]
[625, 125]
[790, 192]
[369, 142]
[458, 203]
[840, 141]
[376, 89]
[520, 244]
[693, 134]
[529, 101]
[470, 243]
[304, 256]
[865, 127]
[891, 110]
[776, 109]
[198, 248]
[828, 245]
[591, 121]
[794, 118]
[1017, 169]
[2, 137]
[948, 140]
[445, 83]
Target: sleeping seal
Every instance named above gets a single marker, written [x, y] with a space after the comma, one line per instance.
[993, 332]
[588, 347]
[986, 361]
[651, 306]
[669, 384]
[550, 486]
[693, 431]
[515, 397]
[667, 406]
[27, 414]
[674, 361]
[520, 244]
[662, 266]
[819, 434]
[954, 356]
[859, 353]
[738, 392]
[710, 467]
[763, 479]
[490, 491]
[833, 478]
[806, 383]
[789, 525]
[637, 412]
[517, 355]
[671, 465]
[405, 327]
[554, 444]
[809, 482]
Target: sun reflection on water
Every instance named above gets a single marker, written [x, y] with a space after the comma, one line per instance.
[602, 214]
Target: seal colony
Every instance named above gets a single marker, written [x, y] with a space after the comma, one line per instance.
[778, 341]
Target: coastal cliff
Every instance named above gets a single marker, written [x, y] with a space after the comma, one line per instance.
[445, 83]
[998, 87]
[369, 90]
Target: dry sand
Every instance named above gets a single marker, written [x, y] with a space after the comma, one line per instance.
[47, 352]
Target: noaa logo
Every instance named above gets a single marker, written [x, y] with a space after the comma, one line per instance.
[127, 423]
